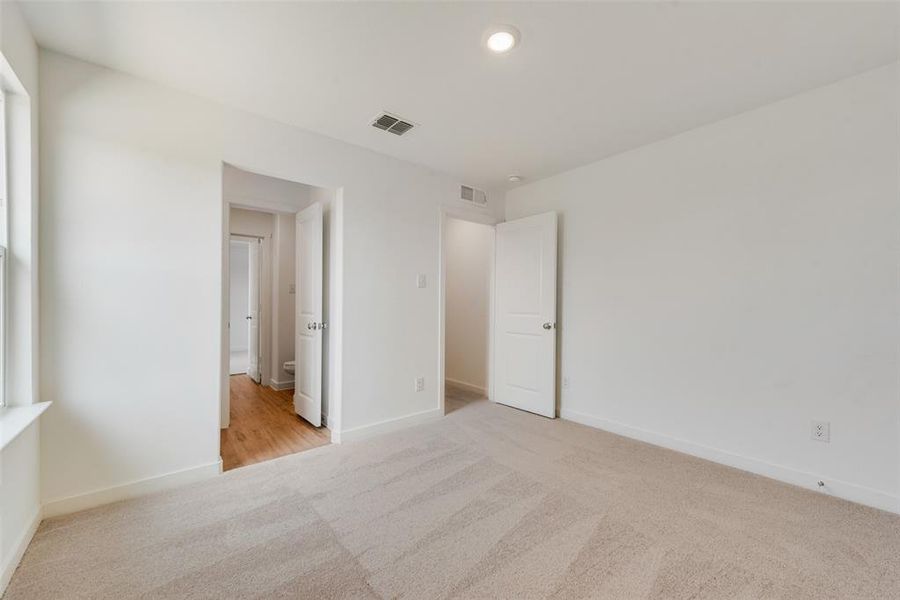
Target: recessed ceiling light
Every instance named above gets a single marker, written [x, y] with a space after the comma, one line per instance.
[502, 39]
[515, 178]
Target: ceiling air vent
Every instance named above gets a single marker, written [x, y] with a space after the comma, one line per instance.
[392, 124]
[473, 195]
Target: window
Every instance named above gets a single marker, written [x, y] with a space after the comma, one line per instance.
[4, 191]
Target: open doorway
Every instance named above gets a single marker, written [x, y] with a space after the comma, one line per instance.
[468, 255]
[275, 317]
[244, 282]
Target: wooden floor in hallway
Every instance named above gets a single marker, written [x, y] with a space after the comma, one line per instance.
[264, 426]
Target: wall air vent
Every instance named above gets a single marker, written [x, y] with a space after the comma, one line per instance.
[473, 195]
[392, 124]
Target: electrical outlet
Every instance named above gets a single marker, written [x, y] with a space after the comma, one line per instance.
[420, 384]
[821, 431]
[421, 280]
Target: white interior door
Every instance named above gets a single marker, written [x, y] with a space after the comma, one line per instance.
[253, 303]
[525, 318]
[308, 323]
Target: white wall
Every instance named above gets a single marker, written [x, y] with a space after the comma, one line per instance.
[252, 223]
[125, 280]
[284, 307]
[20, 506]
[239, 270]
[469, 253]
[253, 190]
[19, 461]
[131, 236]
[722, 288]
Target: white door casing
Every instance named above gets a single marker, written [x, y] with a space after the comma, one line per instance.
[525, 317]
[308, 307]
[253, 304]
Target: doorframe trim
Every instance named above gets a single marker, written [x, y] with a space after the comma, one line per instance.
[334, 233]
[447, 213]
[267, 310]
[264, 266]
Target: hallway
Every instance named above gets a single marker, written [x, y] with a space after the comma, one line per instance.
[264, 426]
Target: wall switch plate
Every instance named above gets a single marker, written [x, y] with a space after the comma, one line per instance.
[820, 431]
[420, 384]
[565, 382]
[421, 280]
[292, 289]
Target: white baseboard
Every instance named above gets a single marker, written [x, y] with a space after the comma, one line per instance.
[281, 385]
[837, 488]
[466, 386]
[19, 547]
[63, 506]
[367, 431]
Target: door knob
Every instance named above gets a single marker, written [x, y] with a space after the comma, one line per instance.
[310, 325]
[323, 325]
[547, 325]
[248, 317]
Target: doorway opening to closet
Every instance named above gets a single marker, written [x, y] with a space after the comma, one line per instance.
[498, 327]
[468, 255]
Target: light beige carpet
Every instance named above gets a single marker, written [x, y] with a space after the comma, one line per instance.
[488, 502]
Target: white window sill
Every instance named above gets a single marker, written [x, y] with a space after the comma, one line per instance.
[16, 419]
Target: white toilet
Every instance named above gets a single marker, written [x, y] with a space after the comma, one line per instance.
[289, 366]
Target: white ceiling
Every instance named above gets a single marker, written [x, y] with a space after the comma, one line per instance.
[588, 80]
